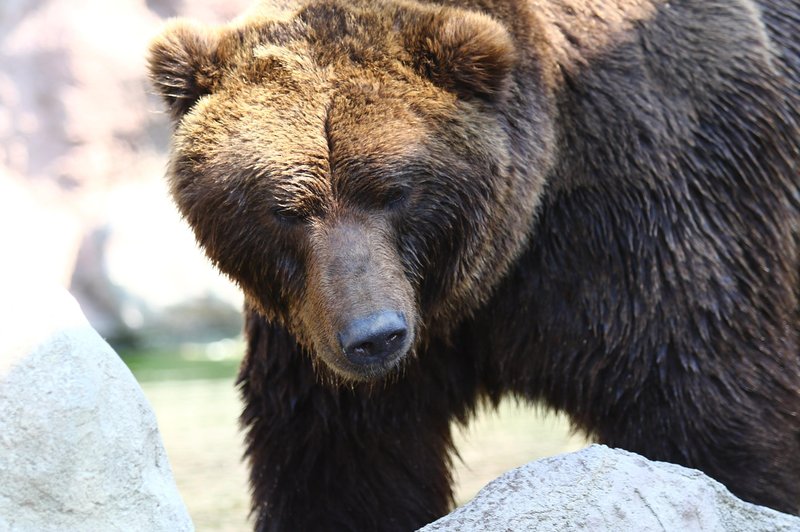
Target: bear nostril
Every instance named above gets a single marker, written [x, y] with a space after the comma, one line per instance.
[395, 336]
[374, 337]
[366, 349]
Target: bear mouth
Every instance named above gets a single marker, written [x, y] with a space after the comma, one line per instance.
[367, 368]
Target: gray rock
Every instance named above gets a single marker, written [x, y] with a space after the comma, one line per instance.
[79, 444]
[599, 488]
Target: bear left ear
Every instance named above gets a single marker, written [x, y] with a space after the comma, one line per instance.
[183, 65]
[465, 52]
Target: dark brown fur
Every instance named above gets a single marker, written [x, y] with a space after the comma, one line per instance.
[584, 203]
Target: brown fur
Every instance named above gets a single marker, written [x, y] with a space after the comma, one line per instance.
[585, 203]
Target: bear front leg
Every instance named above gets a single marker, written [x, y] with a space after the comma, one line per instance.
[328, 456]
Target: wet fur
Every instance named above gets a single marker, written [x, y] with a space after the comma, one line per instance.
[591, 205]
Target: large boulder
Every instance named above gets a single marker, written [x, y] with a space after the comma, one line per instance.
[599, 489]
[79, 444]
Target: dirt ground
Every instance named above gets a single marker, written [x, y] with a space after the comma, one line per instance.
[198, 422]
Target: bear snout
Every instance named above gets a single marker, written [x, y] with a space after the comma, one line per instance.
[379, 338]
[359, 313]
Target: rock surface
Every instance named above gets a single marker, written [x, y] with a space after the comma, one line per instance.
[79, 444]
[598, 489]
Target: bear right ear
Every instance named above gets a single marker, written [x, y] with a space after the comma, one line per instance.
[468, 53]
[183, 65]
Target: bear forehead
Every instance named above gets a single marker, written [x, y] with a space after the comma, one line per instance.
[324, 121]
[318, 102]
[289, 90]
[325, 138]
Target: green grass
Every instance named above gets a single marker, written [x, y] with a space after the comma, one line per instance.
[194, 362]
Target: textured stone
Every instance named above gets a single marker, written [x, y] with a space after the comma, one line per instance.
[79, 444]
[599, 488]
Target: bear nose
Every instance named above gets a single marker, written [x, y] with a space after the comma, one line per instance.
[375, 337]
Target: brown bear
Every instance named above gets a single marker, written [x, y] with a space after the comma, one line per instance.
[587, 204]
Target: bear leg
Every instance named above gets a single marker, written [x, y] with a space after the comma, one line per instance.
[340, 456]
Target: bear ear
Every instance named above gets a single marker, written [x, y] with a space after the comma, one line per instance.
[183, 65]
[465, 52]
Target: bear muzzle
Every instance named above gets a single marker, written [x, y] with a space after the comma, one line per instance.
[359, 315]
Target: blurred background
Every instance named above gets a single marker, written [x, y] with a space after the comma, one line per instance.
[83, 203]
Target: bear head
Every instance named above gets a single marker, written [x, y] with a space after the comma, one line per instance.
[353, 166]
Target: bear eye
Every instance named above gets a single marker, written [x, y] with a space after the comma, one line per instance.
[397, 197]
[288, 216]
